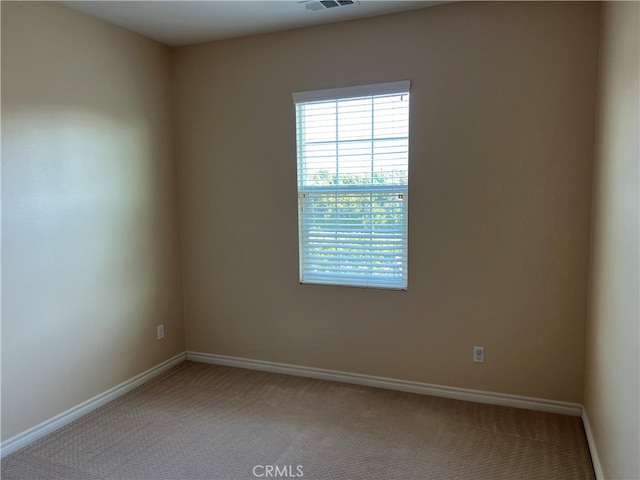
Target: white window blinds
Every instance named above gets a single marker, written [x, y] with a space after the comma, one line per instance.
[353, 185]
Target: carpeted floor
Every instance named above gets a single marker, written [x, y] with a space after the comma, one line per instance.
[200, 421]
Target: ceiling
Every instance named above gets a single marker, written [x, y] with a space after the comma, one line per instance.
[177, 23]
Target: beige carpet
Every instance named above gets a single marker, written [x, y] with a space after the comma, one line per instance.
[206, 422]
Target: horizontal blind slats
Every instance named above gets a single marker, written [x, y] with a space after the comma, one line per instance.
[352, 188]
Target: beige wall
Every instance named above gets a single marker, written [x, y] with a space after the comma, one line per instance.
[89, 225]
[503, 108]
[502, 124]
[612, 399]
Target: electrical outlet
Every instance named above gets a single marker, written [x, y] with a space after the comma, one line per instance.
[160, 331]
[478, 354]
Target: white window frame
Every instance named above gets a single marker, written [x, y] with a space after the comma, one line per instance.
[397, 266]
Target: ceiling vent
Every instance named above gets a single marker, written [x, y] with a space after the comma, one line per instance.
[327, 4]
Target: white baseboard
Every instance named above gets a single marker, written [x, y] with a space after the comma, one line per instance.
[597, 467]
[25, 438]
[530, 403]
[478, 396]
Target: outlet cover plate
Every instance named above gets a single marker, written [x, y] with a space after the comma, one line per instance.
[478, 354]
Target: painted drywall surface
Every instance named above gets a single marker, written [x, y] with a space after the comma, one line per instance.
[502, 126]
[612, 399]
[90, 258]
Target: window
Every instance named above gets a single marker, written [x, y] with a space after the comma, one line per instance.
[353, 148]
